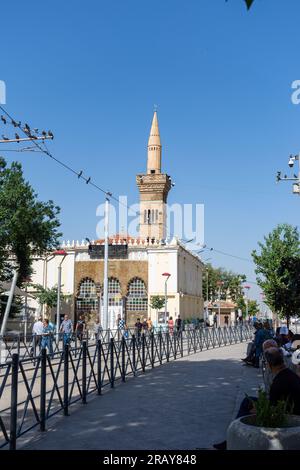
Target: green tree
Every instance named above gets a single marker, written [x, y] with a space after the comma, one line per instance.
[253, 307]
[278, 270]
[47, 296]
[157, 302]
[231, 283]
[28, 227]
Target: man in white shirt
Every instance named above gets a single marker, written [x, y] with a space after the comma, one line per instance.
[37, 331]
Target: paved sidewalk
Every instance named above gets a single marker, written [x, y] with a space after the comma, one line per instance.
[186, 404]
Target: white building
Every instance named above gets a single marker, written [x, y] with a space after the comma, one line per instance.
[136, 265]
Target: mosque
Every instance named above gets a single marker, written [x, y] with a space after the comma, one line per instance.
[138, 268]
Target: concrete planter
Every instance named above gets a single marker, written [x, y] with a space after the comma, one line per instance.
[242, 434]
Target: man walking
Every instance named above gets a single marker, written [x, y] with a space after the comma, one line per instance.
[178, 324]
[138, 329]
[80, 328]
[37, 331]
[47, 337]
[97, 329]
[66, 328]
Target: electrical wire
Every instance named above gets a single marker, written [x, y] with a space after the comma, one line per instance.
[228, 254]
[79, 174]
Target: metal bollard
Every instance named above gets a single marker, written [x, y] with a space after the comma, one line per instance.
[14, 402]
[99, 369]
[43, 390]
[84, 355]
[112, 367]
[66, 380]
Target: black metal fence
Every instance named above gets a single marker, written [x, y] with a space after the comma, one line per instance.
[34, 389]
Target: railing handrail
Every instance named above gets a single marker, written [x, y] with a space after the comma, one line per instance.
[76, 373]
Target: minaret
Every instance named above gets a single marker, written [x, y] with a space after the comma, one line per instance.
[154, 188]
[154, 148]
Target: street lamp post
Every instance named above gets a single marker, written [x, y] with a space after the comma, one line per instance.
[219, 283]
[62, 253]
[167, 275]
[247, 287]
[207, 295]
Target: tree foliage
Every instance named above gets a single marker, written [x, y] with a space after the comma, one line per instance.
[252, 308]
[28, 227]
[248, 3]
[157, 302]
[278, 270]
[231, 287]
[47, 296]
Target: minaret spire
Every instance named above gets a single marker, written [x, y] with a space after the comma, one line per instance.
[154, 188]
[154, 148]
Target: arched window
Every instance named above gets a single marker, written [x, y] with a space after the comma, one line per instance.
[156, 215]
[87, 298]
[152, 217]
[137, 300]
[114, 292]
[145, 216]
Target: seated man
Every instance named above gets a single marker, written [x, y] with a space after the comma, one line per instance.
[285, 386]
[267, 374]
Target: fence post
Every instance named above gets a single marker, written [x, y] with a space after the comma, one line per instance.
[99, 371]
[181, 342]
[160, 346]
[174, 341]
[134, 354]
[66, 380]
[168, 346]
[143, 352]
[152, 349]
[14, 402]
[123, 359]
[194, 339]
[112, 371]
[43, 390]
[84, 354]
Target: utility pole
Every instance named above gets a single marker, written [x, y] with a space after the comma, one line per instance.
[296, 177]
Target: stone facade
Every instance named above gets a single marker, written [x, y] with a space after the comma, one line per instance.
[124, 271]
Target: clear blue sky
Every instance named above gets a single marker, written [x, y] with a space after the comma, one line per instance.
[91, 72]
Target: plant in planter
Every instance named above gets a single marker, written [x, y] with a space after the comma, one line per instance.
[271, 427]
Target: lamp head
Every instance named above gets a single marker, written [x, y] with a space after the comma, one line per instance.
[291, 161]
